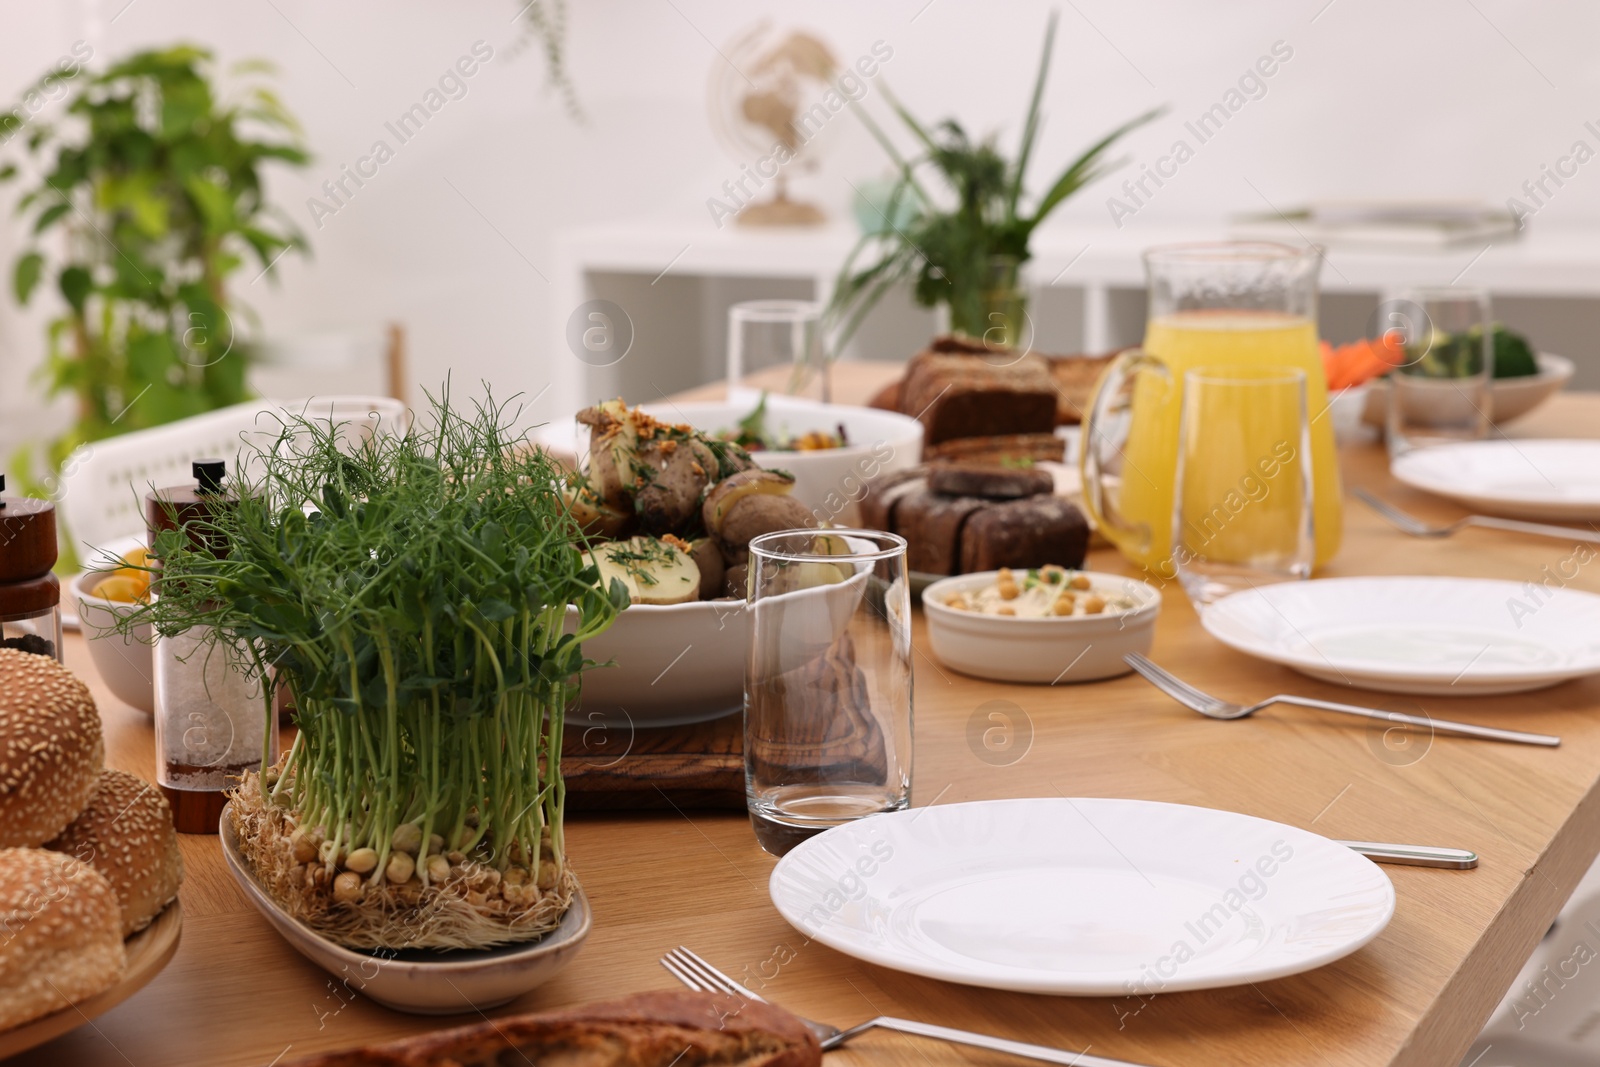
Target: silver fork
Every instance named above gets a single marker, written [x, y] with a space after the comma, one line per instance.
[696, 973]
[1215, 708]
[1408, 523]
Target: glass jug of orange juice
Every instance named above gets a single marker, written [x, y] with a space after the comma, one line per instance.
[1246, 304]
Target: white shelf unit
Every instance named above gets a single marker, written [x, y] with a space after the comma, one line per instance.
[676, 280]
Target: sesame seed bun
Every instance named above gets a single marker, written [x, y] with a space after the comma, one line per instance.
[60, 934]
[51, 751]
[126, 834]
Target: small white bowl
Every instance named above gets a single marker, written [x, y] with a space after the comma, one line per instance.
[125, 664]
[1065, 648]
[416, 981]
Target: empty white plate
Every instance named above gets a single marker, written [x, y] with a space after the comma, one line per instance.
[1536, 479]
[1436, 636]
[1086, 897]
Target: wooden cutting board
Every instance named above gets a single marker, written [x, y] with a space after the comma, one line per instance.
[621, 769]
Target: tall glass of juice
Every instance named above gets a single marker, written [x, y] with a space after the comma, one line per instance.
[1248, 305]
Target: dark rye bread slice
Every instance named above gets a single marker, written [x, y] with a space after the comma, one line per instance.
[991, 483]
[957, 396]
[1006, 450]
[645, 1030]
[1024, 533]
[878, 505]
[931, 525]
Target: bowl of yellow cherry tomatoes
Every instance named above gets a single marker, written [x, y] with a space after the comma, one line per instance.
[114, 588]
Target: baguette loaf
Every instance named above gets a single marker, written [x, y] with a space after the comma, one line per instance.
[645, 1030]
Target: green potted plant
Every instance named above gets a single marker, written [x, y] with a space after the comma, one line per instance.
[148, 198]
[962, 250]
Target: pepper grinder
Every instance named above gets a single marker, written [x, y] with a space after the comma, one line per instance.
[30, 595]
[211, 722]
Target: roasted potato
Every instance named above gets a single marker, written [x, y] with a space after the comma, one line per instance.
[762, 513]
[654, 571]
[675, 474]
[708, 557]
[728, 493]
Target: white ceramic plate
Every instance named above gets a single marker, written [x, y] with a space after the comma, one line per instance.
[1434, 636]
[1083, 897]
[1535, 479]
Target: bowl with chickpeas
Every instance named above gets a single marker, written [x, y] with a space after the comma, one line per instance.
[1043, 625]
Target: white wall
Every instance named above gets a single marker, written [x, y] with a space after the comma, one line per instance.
[1425, 98]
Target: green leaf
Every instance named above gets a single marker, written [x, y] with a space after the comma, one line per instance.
[496, 610]
[8, 171]
[25, 276]
[1030, 126]
[216, 205]
[1087, 167]
[75, 283]
[49, 215]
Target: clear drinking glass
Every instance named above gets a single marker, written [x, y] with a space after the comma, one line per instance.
[763, 334]
[1440, 393]
[1244, 477]
[827, 691]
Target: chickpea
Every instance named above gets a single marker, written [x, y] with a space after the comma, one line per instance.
[302, 846]
[1079, 581]
[438, 868]
[328, 852]
[515, 876]
[1004, 575]
[1008, 590]
[1052, 573]
[407, 838]
[347, 887]
[401, 868]
[1005, 609]
[362, 860]
[1093, 604]
[547, 876]
[1062, 606]
[435, 844]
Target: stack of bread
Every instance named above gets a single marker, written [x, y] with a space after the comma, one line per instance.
[88, 855]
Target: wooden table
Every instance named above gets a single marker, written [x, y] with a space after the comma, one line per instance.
[236, 994]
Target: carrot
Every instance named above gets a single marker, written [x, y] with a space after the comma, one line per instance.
[1353, 364]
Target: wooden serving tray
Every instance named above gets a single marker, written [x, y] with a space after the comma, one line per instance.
[149, 950]
[615, 768]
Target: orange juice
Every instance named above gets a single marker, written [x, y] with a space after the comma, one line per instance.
[1193, 339]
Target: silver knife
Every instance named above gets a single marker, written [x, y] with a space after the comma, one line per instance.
[1415, 855]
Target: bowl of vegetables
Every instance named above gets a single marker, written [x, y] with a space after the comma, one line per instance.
[1522, 378]
[834, 451]
[123, 660]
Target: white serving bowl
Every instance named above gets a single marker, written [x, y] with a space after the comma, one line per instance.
[830, 481]
[419, 981]
[1066, 648]
[125, 663]
[1509, 398]
[674, 664]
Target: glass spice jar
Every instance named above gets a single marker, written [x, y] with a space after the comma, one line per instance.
[211, 722]
[30, 596]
